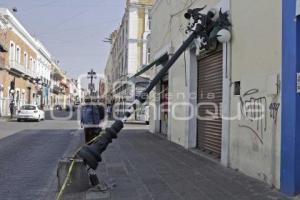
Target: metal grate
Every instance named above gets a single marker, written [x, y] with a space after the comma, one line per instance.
[210, 84]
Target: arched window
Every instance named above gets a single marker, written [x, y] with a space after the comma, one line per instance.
[25, 61]
[18, 55]
[12, 52]
[31, 63]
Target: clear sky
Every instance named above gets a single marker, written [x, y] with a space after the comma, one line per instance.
[72, 30]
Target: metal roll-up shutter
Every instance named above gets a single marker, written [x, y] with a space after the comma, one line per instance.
[210, 86]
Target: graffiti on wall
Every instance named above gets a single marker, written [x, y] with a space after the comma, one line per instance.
[254, 110]
[274, 107]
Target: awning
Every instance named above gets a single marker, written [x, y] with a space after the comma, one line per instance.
[156, 62]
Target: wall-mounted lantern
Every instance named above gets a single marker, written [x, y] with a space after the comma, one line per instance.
[214, 27]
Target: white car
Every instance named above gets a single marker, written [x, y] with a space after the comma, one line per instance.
[30, 112]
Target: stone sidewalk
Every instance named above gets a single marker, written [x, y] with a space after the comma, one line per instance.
[144, 167]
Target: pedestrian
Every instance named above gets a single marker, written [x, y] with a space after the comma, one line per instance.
[11, 109]
[92, 114]
[109, 111]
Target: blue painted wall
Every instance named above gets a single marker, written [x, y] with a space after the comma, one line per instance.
[290, 144]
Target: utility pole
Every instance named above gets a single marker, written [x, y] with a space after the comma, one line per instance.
[92, 75]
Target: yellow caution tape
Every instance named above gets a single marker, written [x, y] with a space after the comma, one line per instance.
[63, 187]
[61, 192]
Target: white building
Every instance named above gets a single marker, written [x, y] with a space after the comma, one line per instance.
[43, 72]
[248, 69]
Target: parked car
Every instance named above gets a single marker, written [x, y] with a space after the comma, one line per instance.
[58, 107]
[30, 112]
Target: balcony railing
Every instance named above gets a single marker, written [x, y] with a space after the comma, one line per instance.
[21, 69]
[30, 73]
[56, 89]
[16, 66]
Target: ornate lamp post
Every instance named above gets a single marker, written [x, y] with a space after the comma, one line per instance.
[92, 75]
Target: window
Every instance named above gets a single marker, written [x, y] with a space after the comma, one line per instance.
[31, 63]
[34, 66]
[25, 61]
[28, 107]
[11, 52]
[18, 55]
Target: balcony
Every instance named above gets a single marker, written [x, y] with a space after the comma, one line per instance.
[17, 67]
[56, 89]
[30, 73]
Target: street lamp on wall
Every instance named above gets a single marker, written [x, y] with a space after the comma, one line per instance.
[12, 88]
[213, 26]
[37, 80]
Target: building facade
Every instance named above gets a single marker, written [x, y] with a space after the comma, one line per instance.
[19, 64]
[26, 65]
[57, 88]
[258, 66]
[129, 53]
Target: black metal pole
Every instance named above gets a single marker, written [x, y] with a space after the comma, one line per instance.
[166, 68]
[91, 89]
[91, 75]
[91, 154]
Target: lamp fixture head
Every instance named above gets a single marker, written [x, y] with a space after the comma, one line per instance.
[224, 36]
[212, 27]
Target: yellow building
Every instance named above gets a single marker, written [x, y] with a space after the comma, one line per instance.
[24, 63]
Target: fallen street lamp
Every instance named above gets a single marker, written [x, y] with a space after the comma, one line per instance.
[203, 26]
